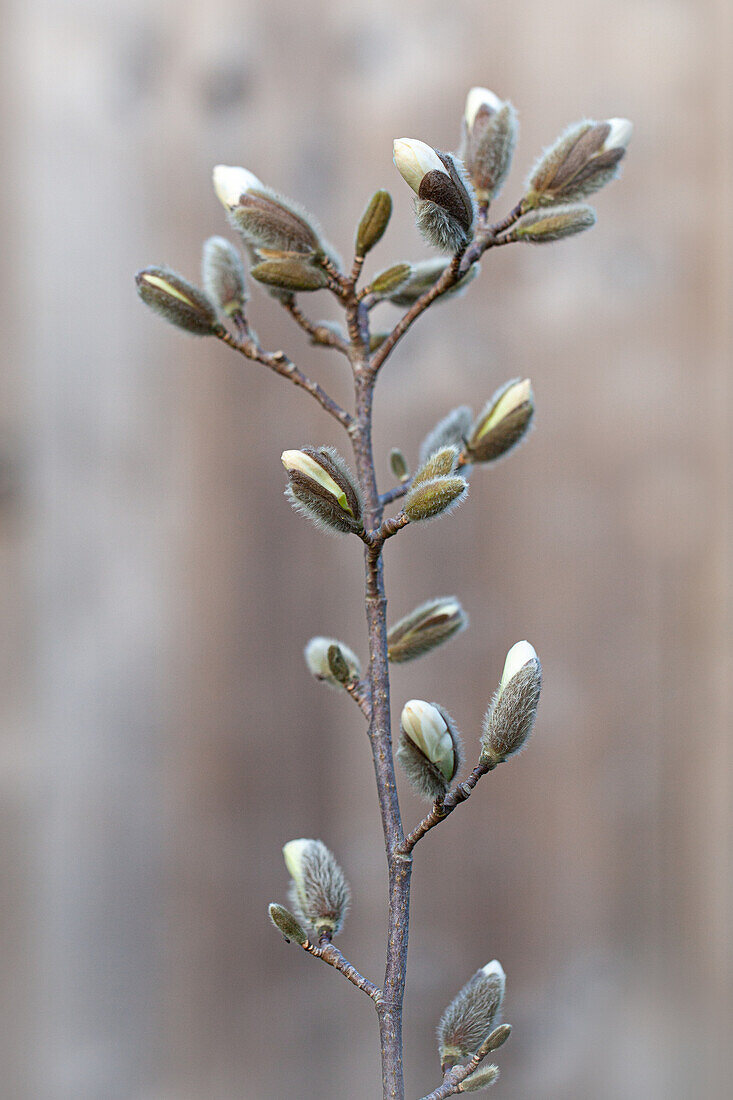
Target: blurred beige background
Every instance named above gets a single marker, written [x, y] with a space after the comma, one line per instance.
[161, 739]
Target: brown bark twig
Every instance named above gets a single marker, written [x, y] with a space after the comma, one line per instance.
[334, 958]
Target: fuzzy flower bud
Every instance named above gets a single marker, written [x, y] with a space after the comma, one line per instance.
[321, 486]
[264, 218]
[428, 626]
[553, 223]
[444, 208]
[434, 497]
[319, 892]
[583, 159]
[489, 137]
[222, 274]
[387, 282]
[452, 430]
[398, 465]
[429, 748]
[291, 272]
[320, 660]
[423, 276]
[174, 298]
[481, 1078]
[441, 463]
[503, 423]
[512, 712]
[286, 923]
[472, 1015]
[374, 222]
[231, 183]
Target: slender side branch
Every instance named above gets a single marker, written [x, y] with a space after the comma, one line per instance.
[319, 334]
[360, 693]
[442, 808]
[334, 958]
[454, 1077]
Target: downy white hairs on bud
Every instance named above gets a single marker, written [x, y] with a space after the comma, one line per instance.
[177, 300]
[222, 273]
[583, 159]
[481, 1078]
[319, 892]
[320, 665]
[452, 430]
[439, 464]
[435, 497]
[445, 209]
[472, 1014]
[512, 712]
[321, 486]
[290, 272]
[428, 626]
[425, 275]
[489, 138]
[286, 923]
[503, 423]
[553, 223]
[429, 748]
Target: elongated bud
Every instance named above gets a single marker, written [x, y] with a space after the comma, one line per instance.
[374, 222]
[583, 159]
[321, 486]
[286, 923]
[388, 281]
[428, 626]
[452, 430]
[398, 465]
[264, 218]
[425, 275]
[553, 224]
[444, 208]
[319, 893]
[482, 1078]
[177, 300]
[489, 138]
[222, 273]
[512, 712]
[429, 748]
[324, 664]
[498, 1037]
[434, 497]
[290, 274]
[472, 1015]
[440, 464]
[503, 423]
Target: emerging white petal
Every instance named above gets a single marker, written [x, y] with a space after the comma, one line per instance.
[298, 460]
[293, 853]
[516, 659]
[494, 968]
[513, 396]
[620, 135]
[425, 726]
[476, 99]
[168, 288]
[230, 183]
[414, 159]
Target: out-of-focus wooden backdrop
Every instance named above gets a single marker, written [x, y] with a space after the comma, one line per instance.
[161, 737]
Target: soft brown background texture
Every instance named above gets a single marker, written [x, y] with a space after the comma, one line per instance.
[161, 737]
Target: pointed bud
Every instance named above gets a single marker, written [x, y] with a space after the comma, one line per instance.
[434, 497]
[290, 274]
[222, 274]
[583, 159]
[512, 712]
[388, 281]
[498, 1037]
[264, 218]
[444, 209]
[553, 224]
[428, 626]
[321, 486]
[424, 276]
[472, 1015]
[318, 654]
[177, 300]
[489, 137]
[286, 923]
[414, 159]
[440, 464]
[503, 423]
[481, 1078]
[231, 183]
[429, 748]
[398, 465]
[374, 222]
[320, 894]
[452, 430]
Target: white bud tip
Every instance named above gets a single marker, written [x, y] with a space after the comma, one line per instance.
[516, 659]
[413, 159]
[477, 98]
[293, 853]
[230, 183]
[494, 968]
[425, 726]
[620, 135]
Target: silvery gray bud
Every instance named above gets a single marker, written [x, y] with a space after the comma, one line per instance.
[425, 275]
[472, 1015]
[435, 497]
[582, 160]
[452, 430]
[177, 300]
[503, 423]
[553, 224]
[428, 626]
[374, 222]
[481, 1078]
[512, 712]
[286, 923]
[489, 138]
[445, 209]
[318, 659]
[321, 486]
[264, 218]
[222, 273]
[319, 892]
[429, 748]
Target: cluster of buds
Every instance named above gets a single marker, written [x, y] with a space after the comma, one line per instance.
[429, 748]
[489, 137]
[332, 662]
[473, 1016]
[319, 892]
[428, 626]
[511, 714]
[583, 159]
[436, 487]
[445, 209]
[321, 486]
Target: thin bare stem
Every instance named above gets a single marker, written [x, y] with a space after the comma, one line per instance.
[359, 692]
[334, 958]
[454, 1077]
[319, 334]
[443, 807]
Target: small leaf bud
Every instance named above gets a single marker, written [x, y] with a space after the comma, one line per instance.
[498, 1037]
[582, 160]
[472, 1014]
[318, 659]
[222, 274]
[286, 923]
[374, 222]
[489, 137]
[452, 430]
[434, 497]
[424, 275]
[429, 748]
[388, 281]
[290, 274]
[264, 218]
[338, 665]
[319, 892]
[181, 303]
[503, 423]
[440, 464]
[321, 486]
[512, 712]
[444, 209]
[553, 224]
[398, 465]
[428, 626]
[481, 1078]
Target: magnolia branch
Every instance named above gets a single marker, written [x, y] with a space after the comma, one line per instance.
[319, 334]
[442, 808]
[334, 958]
[454, 1077]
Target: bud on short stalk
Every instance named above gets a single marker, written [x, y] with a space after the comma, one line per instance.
[444, 208]
[503, 423]
[423, 276]
[489, 137]
[512, 712]
[264, 218]
[222, 274]
[472, 1015]
[321, 486]
[398, 465]
[435, 497]
[286, 923]
[292, 272]
[429, 748]
[583, 159]
[482, 1078]
[428, 626]
[324, 664]
[374, 222]
[554, 223]
[177, 300]
[319, 892]
[386, 282]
